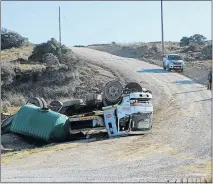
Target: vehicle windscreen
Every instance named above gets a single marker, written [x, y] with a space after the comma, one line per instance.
[174, 57]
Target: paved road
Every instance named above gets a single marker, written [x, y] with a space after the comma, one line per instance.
[179, 146]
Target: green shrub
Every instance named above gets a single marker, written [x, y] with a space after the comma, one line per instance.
[206, 52]
[51, 46]
[50, 59]
[18, 100]
[196, 38]
[10, 39]
[7, 73]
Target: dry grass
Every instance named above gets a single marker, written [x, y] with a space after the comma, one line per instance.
[202, 64]
[25, 67]
[15, 53]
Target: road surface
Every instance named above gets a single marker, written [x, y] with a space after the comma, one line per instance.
[179, 146]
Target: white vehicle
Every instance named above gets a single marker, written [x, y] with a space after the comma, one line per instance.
[173, 62]
[132, 116]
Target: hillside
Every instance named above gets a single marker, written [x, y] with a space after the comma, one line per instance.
[152, 51]
[197, 56]
[29, 70]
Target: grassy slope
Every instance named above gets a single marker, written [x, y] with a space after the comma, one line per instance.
[15, 53]
[60, 84]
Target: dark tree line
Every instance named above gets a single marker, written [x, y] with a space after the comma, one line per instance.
[195, 39]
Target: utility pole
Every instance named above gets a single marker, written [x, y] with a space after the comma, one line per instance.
[162, 33]
[59, 25]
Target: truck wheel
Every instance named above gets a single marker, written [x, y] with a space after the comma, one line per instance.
[181, 70]
[35, 101]
[55, 105]
[164, 67]
[134, 87]
[44, 102]
[113, 91]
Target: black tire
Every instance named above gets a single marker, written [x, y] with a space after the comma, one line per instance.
[134, 87]
[35, 101]
[181, 70]
[55, 105]
[113, 91]
[91, 100]
[44, 103]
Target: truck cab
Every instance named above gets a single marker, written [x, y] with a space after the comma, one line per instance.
[173, 62]
[133, 115]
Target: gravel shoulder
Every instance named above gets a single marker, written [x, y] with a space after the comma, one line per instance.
[179, 146]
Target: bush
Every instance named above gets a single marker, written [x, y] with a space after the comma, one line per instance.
[195, 39]
[154, 48]
[190, 48]
[7, 73]
[69, 59]
[51, 46]
[10, 39]
[184, 41]
[78, 46]
[18, 101]
[206, 52]
[50, 59]
[5, 105]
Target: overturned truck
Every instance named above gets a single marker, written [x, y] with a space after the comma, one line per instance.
[121, 111]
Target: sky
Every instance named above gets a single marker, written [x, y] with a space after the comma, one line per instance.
[92, 22]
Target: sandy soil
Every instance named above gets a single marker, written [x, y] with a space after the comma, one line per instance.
[179, 146]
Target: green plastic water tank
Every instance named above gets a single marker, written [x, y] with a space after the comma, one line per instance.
[39, 123]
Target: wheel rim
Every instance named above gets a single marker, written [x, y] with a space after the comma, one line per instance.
[113, 91]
